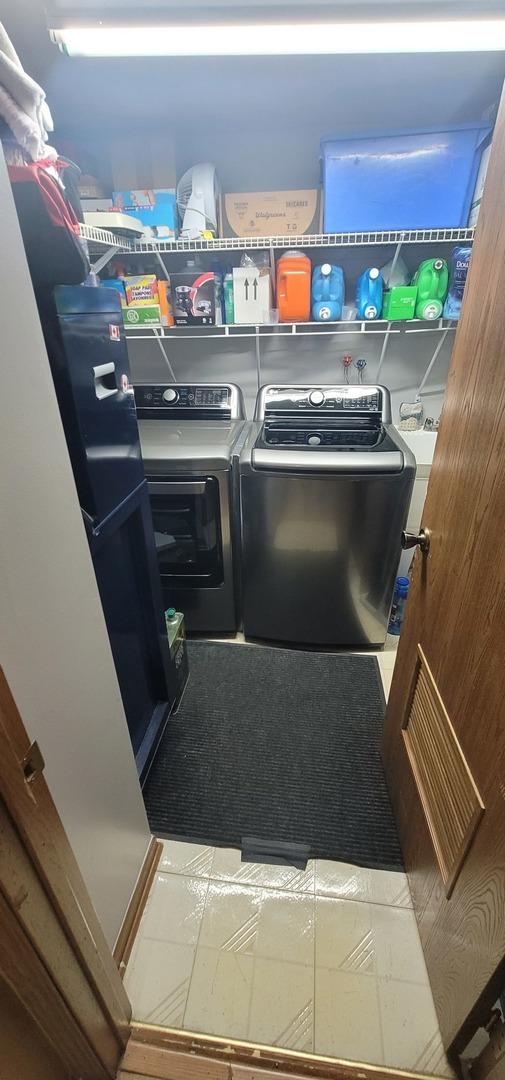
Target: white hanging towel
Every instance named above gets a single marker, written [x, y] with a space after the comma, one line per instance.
[23, 103]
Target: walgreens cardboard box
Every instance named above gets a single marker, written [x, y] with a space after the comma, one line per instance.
[272, 213]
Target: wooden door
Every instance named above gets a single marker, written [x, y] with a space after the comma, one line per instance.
[53, 955]
[25, 1052]
[444, 739]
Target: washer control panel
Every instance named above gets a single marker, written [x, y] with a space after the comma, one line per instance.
[183, 401]
[292, 400]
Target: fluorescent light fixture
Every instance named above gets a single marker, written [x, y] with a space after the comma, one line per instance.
[284, 39]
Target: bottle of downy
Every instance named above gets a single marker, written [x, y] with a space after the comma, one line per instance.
[460, 261]
[432, 280]
[369, 294]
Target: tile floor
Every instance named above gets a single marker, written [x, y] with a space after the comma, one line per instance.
[325, 960]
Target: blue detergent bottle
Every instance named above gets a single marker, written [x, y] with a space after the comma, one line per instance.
[398, 606]
[327, 293]
[369, 294]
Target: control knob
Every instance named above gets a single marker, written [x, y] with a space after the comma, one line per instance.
[316, 397]
[314, 440]
[170, 395]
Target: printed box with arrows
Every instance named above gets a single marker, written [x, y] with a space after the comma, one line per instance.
[252, 294]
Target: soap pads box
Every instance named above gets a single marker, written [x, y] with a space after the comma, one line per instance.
[139, 299]
[155, 208]
[272, 213]
[193, 298]
[142, 300]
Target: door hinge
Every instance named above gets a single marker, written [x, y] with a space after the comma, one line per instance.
[33, 763]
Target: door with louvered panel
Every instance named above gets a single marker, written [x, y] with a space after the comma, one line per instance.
[444, 737]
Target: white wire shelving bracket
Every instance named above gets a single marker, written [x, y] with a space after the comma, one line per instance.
[159, 339]
[103, 245]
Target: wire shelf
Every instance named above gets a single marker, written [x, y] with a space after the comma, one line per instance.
[325, 240]
[108, 239]
[298, 330]
[104, 238]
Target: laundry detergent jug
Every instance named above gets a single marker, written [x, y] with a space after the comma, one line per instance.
[294, 270]
[432, 280]
[327, 292]
[369, 294]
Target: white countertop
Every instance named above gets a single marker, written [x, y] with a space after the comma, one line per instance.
[422, 443]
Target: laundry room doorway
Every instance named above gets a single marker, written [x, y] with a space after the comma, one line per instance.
[444, 787]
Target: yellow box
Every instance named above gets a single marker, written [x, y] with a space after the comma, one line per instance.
[141, 290]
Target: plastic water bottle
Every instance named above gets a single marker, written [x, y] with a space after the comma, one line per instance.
[398, 606]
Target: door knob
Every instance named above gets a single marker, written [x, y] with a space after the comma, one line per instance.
[421, 540]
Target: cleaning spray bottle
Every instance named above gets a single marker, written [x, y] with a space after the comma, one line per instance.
[228, 297]
[369, 294]
[432, 280]
[327, 292]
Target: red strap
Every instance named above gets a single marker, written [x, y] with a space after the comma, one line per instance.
[58, 208]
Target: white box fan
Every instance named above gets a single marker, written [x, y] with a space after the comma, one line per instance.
[197, 201]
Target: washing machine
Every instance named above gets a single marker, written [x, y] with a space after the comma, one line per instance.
[325, 485]
[188, 436]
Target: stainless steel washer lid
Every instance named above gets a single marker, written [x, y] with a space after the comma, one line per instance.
[330, 428]
[327, 461]
[174, 446]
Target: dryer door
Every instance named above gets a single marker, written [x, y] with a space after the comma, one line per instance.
[187, 530]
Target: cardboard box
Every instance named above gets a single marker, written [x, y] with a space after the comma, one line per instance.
[155, 208]
[93, 206]
[141, 290]
[252, 294]
[142, 316]
[193, 298]
[272, 213]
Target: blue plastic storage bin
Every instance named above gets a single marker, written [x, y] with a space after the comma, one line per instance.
[406, 180]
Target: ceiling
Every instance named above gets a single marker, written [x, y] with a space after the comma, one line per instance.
[210, 96]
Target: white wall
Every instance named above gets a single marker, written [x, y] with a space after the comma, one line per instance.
[54, 647]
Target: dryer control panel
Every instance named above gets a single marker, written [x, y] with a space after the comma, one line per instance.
[162, 401]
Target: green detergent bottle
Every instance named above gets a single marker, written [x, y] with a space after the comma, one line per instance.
[432, 280]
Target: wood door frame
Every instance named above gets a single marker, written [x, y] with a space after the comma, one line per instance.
[157, 1053]
[131, 922]
[68, 980]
